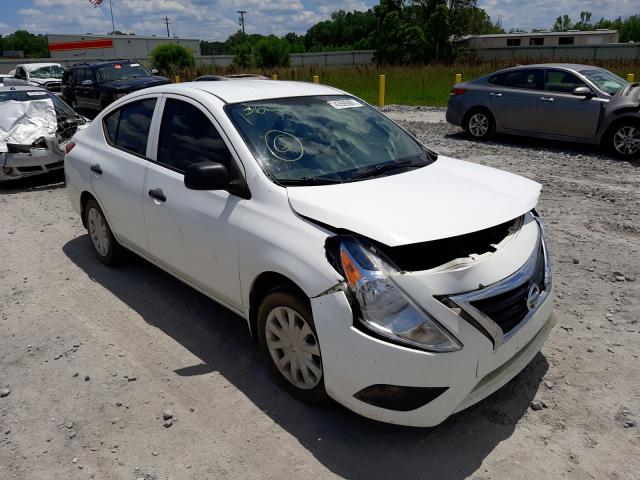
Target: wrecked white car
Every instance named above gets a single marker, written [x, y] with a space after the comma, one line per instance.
[35, 127]
[45, 75]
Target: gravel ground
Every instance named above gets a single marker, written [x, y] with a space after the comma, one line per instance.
[126, 373]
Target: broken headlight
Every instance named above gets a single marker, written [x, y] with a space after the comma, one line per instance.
[383, 307]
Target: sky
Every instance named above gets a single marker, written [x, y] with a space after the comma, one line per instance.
[216, 19]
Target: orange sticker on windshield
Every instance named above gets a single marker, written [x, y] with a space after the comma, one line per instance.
[118, 67]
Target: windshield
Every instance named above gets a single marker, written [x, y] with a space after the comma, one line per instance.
[28, 95]
[50, 71]
[121, 71]
[324, 139]
[605, 80]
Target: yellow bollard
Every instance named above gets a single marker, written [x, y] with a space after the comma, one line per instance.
[316, 79]
[458, 77]
[631, 77]
[274, 76]
[177, 78]
[381, 92]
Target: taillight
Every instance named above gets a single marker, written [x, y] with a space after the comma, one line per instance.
[458, 91]
[69, 147]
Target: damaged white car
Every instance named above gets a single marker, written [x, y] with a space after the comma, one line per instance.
[35, 128]
[405, 285]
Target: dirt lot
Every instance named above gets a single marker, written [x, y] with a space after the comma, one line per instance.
[92, 356]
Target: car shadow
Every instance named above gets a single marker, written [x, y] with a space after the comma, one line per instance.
[47, 181]
[538, 144]
[345, 443]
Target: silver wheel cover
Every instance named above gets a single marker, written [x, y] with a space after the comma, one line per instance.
[293, 347]
[98, 232]
[479, 124]
[626, 140]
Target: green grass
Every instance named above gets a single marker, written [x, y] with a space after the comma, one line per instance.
[410, 85]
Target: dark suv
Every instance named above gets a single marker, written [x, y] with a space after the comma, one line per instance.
[93, 86]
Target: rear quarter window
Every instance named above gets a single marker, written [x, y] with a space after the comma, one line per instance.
[128, 127]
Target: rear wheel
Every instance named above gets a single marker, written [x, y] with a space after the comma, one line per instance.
[480, 124]
[107, 248]
[289, 340]
[624, 140]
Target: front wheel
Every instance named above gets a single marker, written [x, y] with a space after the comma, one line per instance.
[480, 124]
[289, 340]
[624, 140]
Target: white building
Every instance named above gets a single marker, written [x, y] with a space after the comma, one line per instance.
[111, 46]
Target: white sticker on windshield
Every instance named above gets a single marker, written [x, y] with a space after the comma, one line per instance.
[340, 104]
[134, 64]
[36, 94]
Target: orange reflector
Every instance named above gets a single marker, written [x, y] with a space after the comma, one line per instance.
[350, 269]
[68, 147]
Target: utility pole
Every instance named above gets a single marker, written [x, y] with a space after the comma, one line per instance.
[241, 12]
[113, 24]
[167, 22]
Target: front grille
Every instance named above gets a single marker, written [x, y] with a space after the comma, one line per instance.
[54, 165]
[508, 309]
[29, 169]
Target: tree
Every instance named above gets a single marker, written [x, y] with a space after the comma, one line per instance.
[272, 52]
[33, 46]
[439, 30]
[243, 56]
[170, 58]
[630, 29]
[563, 23]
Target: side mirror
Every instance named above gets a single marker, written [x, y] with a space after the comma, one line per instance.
[86, 83]
[154, 71]
[582, 92]
[207, 176]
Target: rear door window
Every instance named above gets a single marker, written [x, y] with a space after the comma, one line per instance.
[128, 127]
[561, 81]
[530, 79]
[187, 136]
[80, 77]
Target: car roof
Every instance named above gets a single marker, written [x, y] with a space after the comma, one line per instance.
[21, 88]
[568, 66]
[34, 66]
[101, 64]
[243, 90]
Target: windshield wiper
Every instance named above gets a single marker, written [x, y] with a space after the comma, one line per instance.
[309, 181]
[387, 167]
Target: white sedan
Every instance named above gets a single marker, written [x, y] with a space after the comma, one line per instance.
[405, 285]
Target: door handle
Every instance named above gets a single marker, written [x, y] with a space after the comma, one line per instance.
[157, 194]
[547, 99]
[96, 169]
[495, 94]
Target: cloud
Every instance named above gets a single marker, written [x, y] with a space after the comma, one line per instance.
[217, 19]
[543, 13]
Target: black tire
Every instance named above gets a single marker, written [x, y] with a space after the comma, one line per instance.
[479, 124]
[615, 143]
[276, 299]
[114, 253]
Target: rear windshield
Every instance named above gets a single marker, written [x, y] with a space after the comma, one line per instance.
[605, 80]
[121, 71]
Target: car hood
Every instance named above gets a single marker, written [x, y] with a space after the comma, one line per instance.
[42, 81]
[445, 199]
[136, 83]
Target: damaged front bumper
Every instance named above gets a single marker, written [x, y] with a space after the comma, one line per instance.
[394, 383]
[27, 160]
